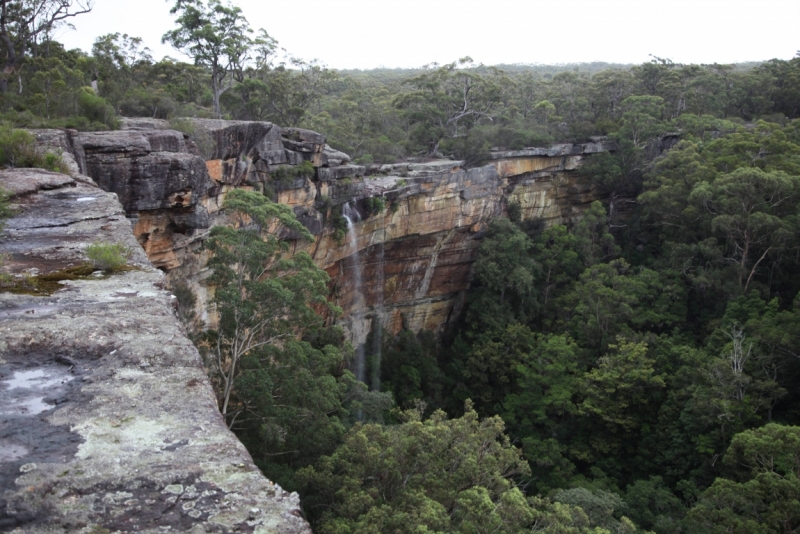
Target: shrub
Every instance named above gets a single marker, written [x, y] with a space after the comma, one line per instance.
[5, 210]
[187, 301]
[107, 256]
[339, 224]
[96, 109]
[305, 169]
[18, 149]
[375, 205]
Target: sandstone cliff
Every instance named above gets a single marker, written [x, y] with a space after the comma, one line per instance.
[414, 258]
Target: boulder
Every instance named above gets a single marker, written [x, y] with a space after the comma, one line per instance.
[333, 158]
[242, 139]
[151, 181]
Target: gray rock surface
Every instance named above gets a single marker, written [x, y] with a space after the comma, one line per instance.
[107, 420]
[151, 181]
[598, 144]
[143, 123]
[333, 158]
[258, 141]
[61, 142]
[330, 174]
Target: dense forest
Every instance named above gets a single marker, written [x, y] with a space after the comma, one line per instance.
[635, 372]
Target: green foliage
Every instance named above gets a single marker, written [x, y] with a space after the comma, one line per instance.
[439, 474]
[514, 210]
[216, 35]
[409, 369]
[96, 109]
[187, 301]
[698, 278]
[375, 205]
[339, 224]
[766, 497]
[289, 400]
[5, 209]
[505, 272]
[18, 149]
[599, 505]
[108, 256]
[652, 506]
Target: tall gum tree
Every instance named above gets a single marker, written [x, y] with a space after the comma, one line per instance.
[23, 23]
[216, 35]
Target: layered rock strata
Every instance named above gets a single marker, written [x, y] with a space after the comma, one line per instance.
[416, 254]
[108, 422]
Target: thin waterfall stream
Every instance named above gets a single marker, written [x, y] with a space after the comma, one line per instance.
[352, 216]
[377, 322]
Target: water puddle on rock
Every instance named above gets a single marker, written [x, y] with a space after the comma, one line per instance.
[25, 391]
[33, 311]
[10, 451]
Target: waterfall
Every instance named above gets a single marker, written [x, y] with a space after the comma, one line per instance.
[351, 215]
[377, 323]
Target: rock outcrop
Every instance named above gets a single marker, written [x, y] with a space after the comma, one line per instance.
[416, 254]
[109, 423]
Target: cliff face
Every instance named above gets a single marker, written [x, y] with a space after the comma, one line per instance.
[108, 422]
[408, 265]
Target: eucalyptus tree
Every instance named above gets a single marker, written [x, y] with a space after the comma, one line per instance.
[449, 101]
[216, 35]
[24, 24]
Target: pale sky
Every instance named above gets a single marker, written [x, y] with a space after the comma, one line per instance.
[365, 34]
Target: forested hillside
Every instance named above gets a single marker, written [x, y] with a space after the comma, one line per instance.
[635, 372]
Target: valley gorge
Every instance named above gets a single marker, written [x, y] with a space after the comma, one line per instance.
[404, 263]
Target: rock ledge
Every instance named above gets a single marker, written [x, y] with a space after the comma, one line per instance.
[108, 421]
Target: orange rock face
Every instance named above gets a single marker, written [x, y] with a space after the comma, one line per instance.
[416, 229]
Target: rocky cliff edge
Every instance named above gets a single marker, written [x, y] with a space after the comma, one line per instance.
[107, 420]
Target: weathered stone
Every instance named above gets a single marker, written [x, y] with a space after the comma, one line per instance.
[243, 139]
[598, 144]
[153, 181]
[166, 141]
[143, 123]
[333, 158]
[437, 211]
[124, 142]
[111, 419]
[300, 135]
[311, 219]
[330, 174]
[60, 142]
[434, 167]
[28, 181]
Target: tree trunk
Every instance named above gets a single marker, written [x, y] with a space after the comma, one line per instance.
[215, 94]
